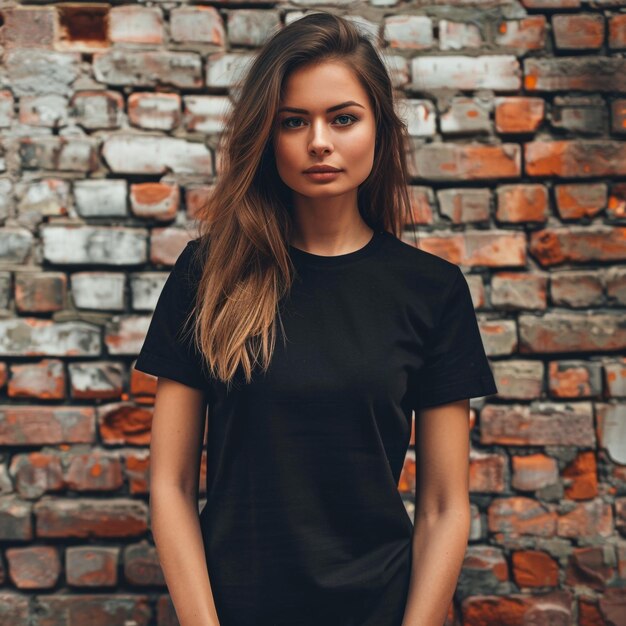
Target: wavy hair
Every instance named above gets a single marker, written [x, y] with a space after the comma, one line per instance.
[246, 222]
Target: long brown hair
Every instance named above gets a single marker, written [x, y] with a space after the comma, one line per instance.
[246, 223]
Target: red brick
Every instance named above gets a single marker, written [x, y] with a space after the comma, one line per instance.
[142, 566]
[618, 116]
[36, 473]
[589, 611]
[478, 248]
[111, 609]
[83, 26]
[588, 567]
[125, 423]
[485, 562]
[522, 203]
[422, 204]
[124, 334]
[96, 380]
[91, 566]
[142, 386]
[577, 200]
[569, 379]
[449, 161]
[39, 425]
[196, 197]
[617, 201]
[591, 519]
[40, 292]
[157, 201]
[617, 31]
[575, 158]
[551, 423]
[137, 471]
[581, 477]
[578, 31]
[576, 289]
[463, 206]
[16, 523]
[44, 380]
[94, 471]
[518, 516]
[519, 290]
[529, 33]
[166, 244]
[28, 27]
[34, 567]
[592, 73]
[533, 472]
[517, 114]
[585, 333]
[552, 246]
[533, 568]
[486, 472]
[90, 517]
[516, 609]
[14, 607]
[551, 4]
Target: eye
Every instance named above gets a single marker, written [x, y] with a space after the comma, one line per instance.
[285, 122]
[288, 119]
[350, 117]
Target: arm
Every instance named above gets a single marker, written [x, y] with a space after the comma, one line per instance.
[175, 455]
[442, 511]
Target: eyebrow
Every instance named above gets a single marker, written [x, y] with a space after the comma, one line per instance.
[333, 108]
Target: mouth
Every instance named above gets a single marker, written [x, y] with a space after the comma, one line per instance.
[321, 176]
[322, 170]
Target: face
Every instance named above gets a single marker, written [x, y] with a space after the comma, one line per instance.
[343, 138]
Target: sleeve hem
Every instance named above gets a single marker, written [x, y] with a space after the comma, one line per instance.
[474, 388]
[157, 365]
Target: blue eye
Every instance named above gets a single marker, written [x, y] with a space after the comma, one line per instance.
[350, 117]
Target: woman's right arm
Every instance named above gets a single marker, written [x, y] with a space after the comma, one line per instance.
[175, 456]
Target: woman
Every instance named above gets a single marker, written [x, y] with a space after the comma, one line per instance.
[307, 435]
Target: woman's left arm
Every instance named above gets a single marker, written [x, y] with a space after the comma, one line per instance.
[442, 511]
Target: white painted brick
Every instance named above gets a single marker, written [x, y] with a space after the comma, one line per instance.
[141, 154]
[206, 114]
[98, 290]
[41, 72]
[101, 197]
[37, 337]
[420, 117]
[107, 245]
[146, 288]
[497, 72]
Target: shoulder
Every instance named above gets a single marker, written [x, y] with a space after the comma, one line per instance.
[426, 272]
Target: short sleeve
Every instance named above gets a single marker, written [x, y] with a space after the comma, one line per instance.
[168, 348]
[455, 365]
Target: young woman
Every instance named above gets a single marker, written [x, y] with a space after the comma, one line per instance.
[307, 435]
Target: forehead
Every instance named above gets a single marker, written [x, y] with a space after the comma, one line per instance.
[323, 85]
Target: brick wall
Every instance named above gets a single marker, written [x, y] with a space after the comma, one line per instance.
[109, 115]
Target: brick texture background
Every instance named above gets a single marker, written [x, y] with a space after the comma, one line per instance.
[109, 116]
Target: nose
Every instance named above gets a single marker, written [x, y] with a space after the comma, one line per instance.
[320, 138]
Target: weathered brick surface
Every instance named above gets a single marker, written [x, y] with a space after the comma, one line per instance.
[110, 116]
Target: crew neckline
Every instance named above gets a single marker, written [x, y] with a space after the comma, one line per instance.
[336, 260]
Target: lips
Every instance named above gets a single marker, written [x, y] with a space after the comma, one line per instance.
[321, 169]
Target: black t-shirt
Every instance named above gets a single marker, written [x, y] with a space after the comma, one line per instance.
[304, 523]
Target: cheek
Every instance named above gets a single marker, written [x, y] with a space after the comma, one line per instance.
[360, 145]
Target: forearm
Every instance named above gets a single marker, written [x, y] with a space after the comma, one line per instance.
[178, 539]
[439, 546]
